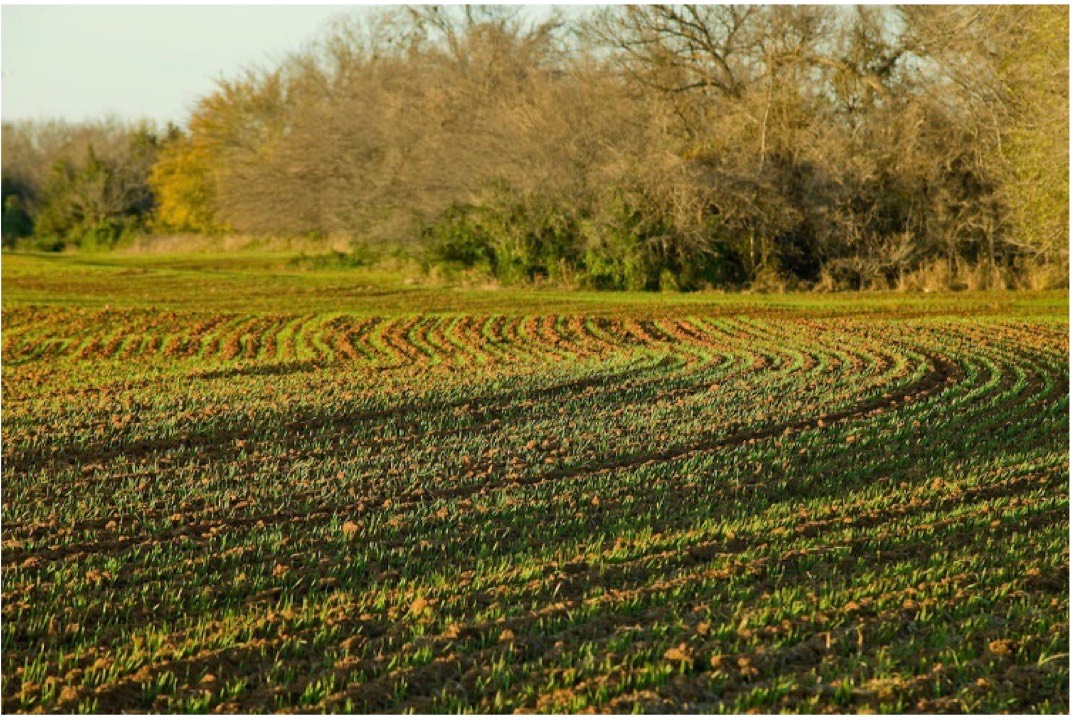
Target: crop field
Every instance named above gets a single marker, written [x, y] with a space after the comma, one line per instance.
[328, 496]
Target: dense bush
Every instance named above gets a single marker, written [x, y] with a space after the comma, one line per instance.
[83, 185]
[652, 147]
[636, 147]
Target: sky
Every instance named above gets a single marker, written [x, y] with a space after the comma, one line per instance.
[80, 62]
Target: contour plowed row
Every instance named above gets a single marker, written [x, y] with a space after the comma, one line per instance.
[539, 513]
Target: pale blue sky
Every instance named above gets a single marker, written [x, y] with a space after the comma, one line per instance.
[83, 61]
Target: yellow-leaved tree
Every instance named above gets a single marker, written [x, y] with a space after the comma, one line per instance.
[184, 186]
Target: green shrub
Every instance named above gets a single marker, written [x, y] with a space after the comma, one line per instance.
[93, 204]
[16, 221]
[620, 243]
[517, 242]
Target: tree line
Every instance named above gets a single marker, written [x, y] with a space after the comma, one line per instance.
[626, 147]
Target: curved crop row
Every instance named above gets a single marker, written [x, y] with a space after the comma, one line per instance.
[445, 513]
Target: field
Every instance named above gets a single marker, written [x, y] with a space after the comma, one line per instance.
[234, 485]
